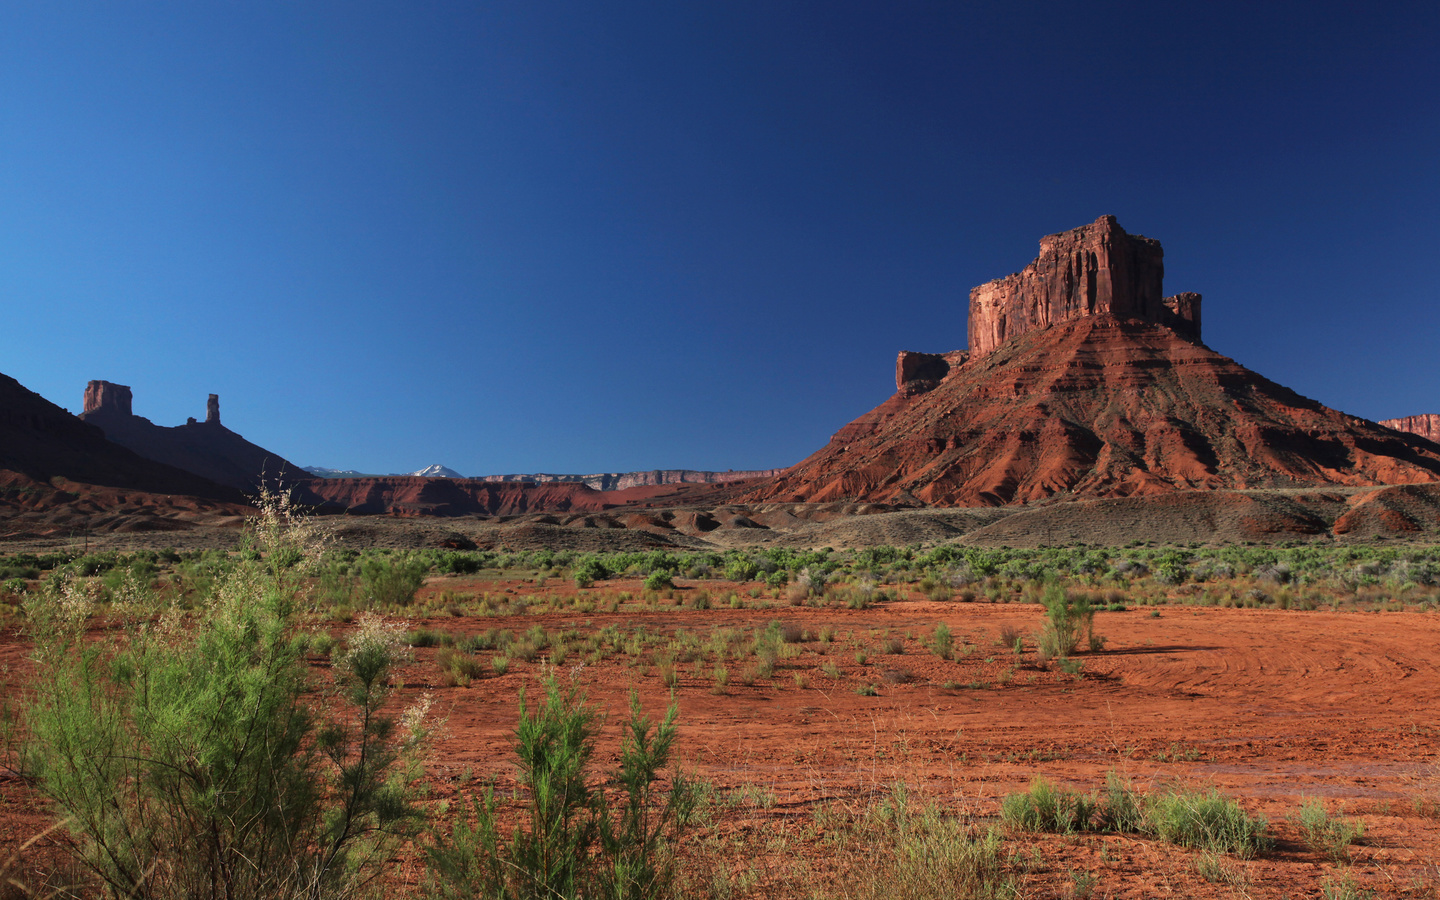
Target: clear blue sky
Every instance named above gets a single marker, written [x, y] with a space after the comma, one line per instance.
[578, 237]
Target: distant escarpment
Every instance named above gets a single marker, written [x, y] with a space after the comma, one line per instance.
[207, 448]
[621, 481]
[1426, 425]
[408, 495]
[1083, 380]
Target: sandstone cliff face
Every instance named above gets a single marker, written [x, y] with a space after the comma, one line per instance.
[111, 398]
[916, 373]
[1426, 425]
[1094, 270]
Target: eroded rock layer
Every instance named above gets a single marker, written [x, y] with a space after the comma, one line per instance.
[1426, 425]
[1098, 407]
[1094, 270]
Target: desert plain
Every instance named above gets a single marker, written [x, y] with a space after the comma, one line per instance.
[806, 703]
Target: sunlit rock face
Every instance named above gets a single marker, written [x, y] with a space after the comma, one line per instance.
[1426, 425]
[1095, 270]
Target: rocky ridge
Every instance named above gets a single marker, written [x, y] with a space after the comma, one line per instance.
[59, 475]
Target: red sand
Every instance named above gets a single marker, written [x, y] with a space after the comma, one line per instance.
[1271, 707]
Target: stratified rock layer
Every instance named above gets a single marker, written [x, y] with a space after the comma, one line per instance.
[1426, 425]
[1099, 407]
[1094, 270]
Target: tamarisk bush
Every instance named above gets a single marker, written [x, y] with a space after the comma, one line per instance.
[191, 758]
[572, 843]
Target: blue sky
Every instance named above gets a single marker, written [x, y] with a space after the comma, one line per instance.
[579, 237]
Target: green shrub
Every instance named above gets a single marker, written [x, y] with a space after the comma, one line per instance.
[571, 842]
[1044, 807]
[900, 850]
[1206, 822]
[388, 581]
[944, 642]
[1327, 834]
[1068, 619]
[588, 570]
[1122, 808]
[190, 760]
[658, 580]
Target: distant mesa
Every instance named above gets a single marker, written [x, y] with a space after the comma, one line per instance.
[602, 481]
[1426, 425]
[623, 481]
[1083, 380]
[322, 472]
[207, 449]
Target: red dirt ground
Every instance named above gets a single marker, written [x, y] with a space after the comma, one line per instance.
[1271, 707]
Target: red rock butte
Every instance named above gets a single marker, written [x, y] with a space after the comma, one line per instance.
[1094, 270]
[1082, 379]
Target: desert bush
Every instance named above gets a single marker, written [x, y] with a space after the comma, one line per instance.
[902, 850]
[740, 569]
[659, 580]
[391, 581]
[1205, 821]
[572, 843]
[588, 570]
[1045, 807]
[458, 667]
[1327, 834]
[190, 760]
[1122, 807]
[1069, 617]
[943, 642]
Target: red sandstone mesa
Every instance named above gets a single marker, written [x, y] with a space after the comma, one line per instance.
[1082, 379]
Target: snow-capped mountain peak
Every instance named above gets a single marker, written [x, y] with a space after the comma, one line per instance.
[437, 471]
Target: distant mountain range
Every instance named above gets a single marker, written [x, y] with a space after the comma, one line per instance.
[602, 481]
[435, 471]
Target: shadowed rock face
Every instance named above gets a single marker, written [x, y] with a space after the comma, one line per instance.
[44, 443]
[1094, 270]
[112, 398]
[207, 449]
[1426, 425]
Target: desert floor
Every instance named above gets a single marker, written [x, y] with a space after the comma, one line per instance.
[1271, 707]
